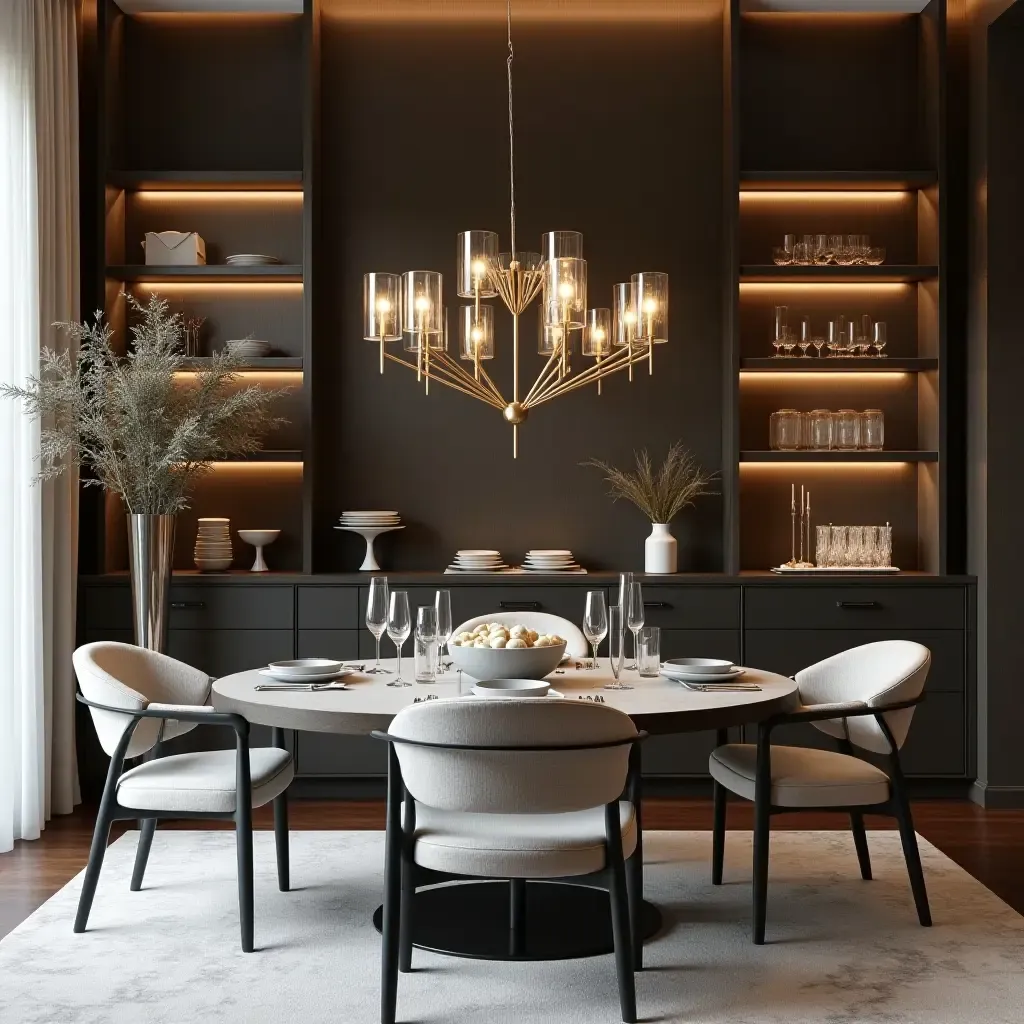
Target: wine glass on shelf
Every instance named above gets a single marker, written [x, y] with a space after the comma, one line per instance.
[616, 647]
[399, 628]
[864, 335]
[880, 338]
[595, 621]
[780, 329]
[377, 615]
[789, 343]
[806, 336]
[835, 337]
[818, 342]
[634, 612]
[443, 608]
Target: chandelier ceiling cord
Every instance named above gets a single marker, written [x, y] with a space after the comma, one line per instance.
[409, 308]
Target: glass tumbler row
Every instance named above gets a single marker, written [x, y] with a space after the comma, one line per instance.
[824, 430]
[849, 547]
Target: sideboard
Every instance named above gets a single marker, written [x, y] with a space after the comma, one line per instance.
[223, 623]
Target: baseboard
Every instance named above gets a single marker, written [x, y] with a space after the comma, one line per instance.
[997, 797]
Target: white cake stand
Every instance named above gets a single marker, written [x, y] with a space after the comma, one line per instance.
[369, 534]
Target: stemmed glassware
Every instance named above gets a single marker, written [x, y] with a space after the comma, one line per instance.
[616, 647]
[443, 608]
[625, 582]
[806, 336]
[880, 338]
[634, 613]
[781, 328]
[595, 621]
[399, 628]
[377, 615]
[426, 644]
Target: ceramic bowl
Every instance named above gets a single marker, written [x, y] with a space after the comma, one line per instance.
[259, 537]
[698, 666]
[306, 666]
[502, 663]
[511, 687]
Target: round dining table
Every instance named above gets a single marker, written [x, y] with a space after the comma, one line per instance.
[567, 918]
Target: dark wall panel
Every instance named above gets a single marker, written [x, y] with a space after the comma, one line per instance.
[626, 150]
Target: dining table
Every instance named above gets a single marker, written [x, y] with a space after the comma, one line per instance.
[566, 918]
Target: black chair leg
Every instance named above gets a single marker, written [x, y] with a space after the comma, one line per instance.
[147, 826]
[912, 856]
[390, 930]
[281, 842]
[635, 897]
[243, 845]
[406, 917]
[100, 836]
[721, 796]
[619, 899]
[762, 834]
[860, 841]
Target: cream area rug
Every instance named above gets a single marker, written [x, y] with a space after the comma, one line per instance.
[839, 949]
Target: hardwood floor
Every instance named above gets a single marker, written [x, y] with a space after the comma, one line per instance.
[988, 844]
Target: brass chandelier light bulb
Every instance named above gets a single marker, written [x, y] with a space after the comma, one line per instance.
[409, 307]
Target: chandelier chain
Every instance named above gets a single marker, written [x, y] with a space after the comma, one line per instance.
[511, 129]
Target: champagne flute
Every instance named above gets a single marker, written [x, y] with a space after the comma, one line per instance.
[634, 613]
[616, 647]
[625, 582]
[399, 628]
[443, 608]
[595, 621]
[806, 336]
[426, 639]
[377, 615]
[881, 338]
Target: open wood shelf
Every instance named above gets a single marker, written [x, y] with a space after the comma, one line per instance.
[839, 456]
[847, 181]
[240, 181]
[267, 363]
[276, 272]
[838, 364]
[891, 274]
[269, 455]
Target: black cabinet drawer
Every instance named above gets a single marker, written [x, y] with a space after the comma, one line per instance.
[329, 608]
[321, 753]
[221, 652]
[107, 607]
[855, 607]
[208, 606]
[787, 651]
[689, 607]
[340, 644]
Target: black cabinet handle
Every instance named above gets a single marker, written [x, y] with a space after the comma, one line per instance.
[180, 606]
[657, 604]
[857, 604]
[519, 606]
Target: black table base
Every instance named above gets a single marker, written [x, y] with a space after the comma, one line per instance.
[562, 921]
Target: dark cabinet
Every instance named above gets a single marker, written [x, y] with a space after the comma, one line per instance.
[329, 608]
[223, 651]
[340, 644]
[321, 753]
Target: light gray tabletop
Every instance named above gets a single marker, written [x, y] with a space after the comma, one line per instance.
[657, 705]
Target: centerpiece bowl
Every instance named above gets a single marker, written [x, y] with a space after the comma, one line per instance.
[506, 663]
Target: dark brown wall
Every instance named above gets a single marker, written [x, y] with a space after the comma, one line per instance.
[619, 132]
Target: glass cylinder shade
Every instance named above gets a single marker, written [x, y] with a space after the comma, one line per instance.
[651, 307]
[476, 334]
[556, 244]
[382, 307]
[477, 250]
[550, 335]
[421, 302]
[624, 314]
[411, 340]
[597, 333]
[565, 291]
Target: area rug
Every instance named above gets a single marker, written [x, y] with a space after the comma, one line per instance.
[839, 949]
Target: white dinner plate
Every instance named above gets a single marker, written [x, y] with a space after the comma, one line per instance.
[512, 696]
[298, 680]
[306, 666]
[701, 666]
[701, 677]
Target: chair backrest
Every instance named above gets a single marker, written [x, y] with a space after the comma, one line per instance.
[542, 622]
[886, 672]
[513, 781]
[124, 676]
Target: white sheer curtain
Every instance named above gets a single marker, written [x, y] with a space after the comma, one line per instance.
[38, 524]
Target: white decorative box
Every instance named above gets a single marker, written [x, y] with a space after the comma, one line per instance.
[175, 249]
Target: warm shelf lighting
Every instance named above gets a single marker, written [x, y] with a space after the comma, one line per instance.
[816, 377]
[558, 11]
[247, 467]
[825, 195]
[236, 288]
[230, 195]
[823, 287]
[263, 376]
[789, 468]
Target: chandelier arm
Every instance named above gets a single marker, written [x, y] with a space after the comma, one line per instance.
[550, 376]
[480, 396]
[493, 387]
[597, 372]
[453, 368]
[458, 378]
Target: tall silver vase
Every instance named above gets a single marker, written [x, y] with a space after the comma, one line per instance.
[150, 550]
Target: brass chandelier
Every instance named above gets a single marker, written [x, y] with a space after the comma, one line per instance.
[409, 308]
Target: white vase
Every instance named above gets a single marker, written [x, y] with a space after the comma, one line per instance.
[660, 550]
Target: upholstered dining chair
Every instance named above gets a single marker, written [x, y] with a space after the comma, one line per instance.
[865, 699]
[575, 642]
[470, 794]
[138, 699]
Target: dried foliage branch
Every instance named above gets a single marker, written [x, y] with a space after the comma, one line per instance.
[663, 493]
[145, 435]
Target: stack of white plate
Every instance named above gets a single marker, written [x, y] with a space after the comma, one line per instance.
[477, 560]
[250, 259]
[248, 348]
[213, 545]
[306, 670]
[700, 670]
[369, 520]
[550, 560]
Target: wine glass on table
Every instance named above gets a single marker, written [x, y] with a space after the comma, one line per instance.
[616, 647]
[426, 644]
[377, 615]
[633, 611]
[443, 608]
[625, 582]
[595, 621]
[399, 628]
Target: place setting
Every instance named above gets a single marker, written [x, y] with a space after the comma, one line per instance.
[307, 674]
[706, 675]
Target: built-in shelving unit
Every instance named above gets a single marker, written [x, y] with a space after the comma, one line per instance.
[855, 181]
[887, 455]
[855, 364]
[268, 364]
[883, 274]
[242, 181]
[216, 273]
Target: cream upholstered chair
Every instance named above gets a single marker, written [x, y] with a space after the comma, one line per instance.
[542, 622]
[864, 698]
[138, 699]
[476, 779]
